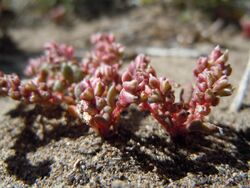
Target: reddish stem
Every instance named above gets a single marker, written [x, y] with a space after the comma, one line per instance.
[160, 120]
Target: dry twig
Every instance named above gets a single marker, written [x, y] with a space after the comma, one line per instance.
[238, 100]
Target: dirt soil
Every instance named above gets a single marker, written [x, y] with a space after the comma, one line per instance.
[54, 152]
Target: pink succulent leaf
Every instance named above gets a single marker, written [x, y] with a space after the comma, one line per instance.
[126, 98]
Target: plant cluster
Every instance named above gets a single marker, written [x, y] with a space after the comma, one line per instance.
[94, 90]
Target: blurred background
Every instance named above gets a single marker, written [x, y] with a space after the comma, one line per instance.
[141, 25]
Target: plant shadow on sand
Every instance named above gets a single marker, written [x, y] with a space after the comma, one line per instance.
[173, 159]
[195, 153]
[28, 141]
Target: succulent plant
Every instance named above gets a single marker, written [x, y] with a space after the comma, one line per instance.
[94, 90]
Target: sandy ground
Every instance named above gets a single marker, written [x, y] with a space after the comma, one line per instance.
[57, 153]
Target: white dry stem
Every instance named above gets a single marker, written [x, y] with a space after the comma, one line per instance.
[238, 100]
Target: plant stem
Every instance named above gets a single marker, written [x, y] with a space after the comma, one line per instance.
[238, 100]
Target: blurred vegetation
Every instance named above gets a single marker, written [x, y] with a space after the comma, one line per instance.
[46, 5]
[229, 10]
[14, 13]
[88, 9]
[85, 9]
[6, 17]
[60, 10]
